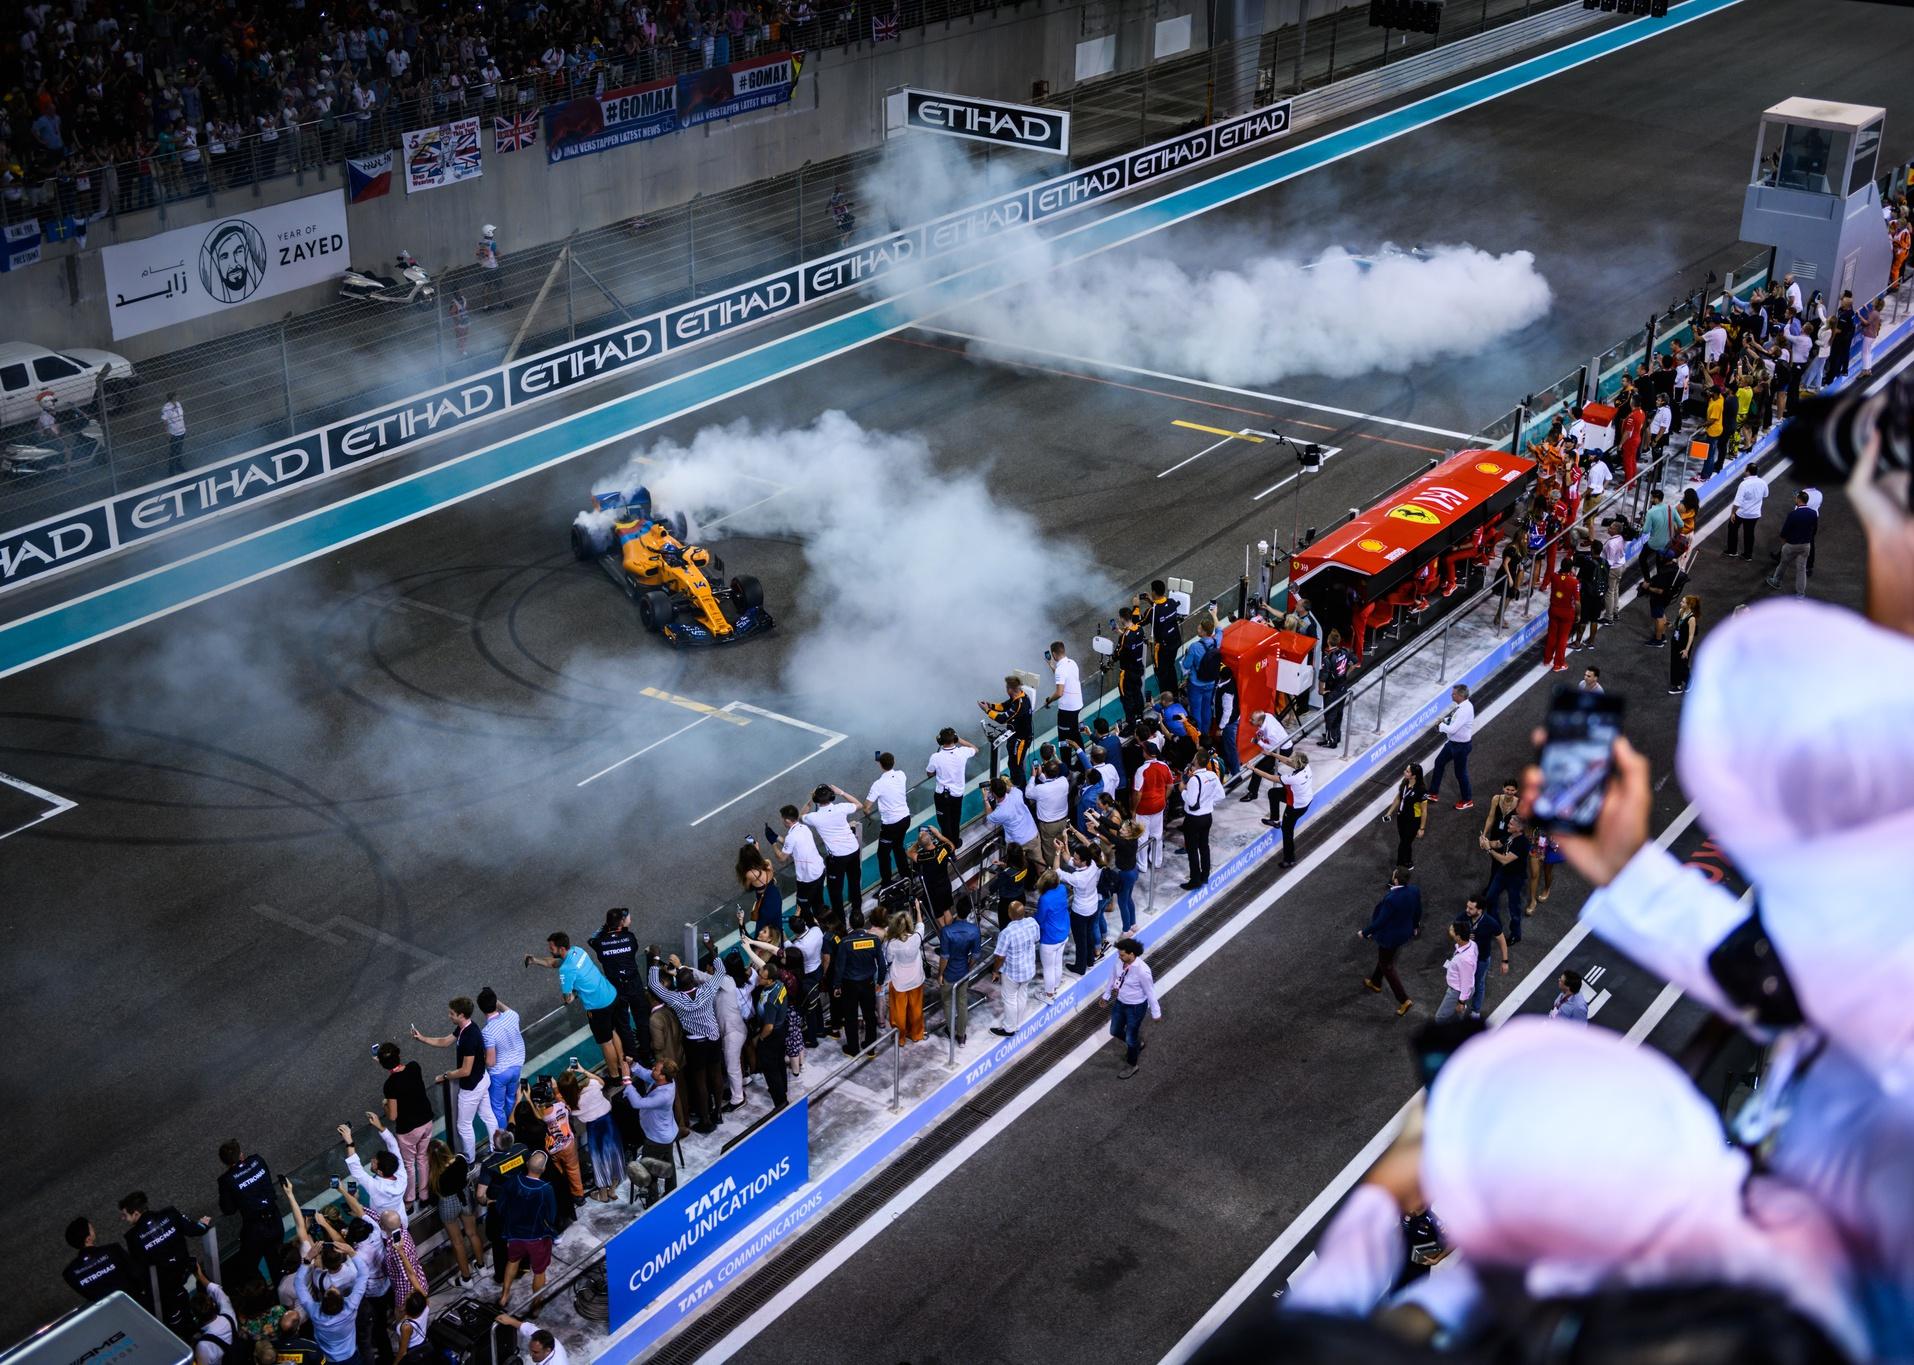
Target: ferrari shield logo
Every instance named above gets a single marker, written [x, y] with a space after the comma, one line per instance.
[1421, 516]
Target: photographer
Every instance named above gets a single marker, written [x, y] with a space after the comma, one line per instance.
[693, 997]
[1013, 713]
[580, 980]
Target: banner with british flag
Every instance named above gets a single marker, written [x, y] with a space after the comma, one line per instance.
[441, 156]
[514, 132]
[885, 30]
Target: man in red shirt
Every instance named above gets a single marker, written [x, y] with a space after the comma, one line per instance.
[1564, 596]
[1152, 794]
[1632, 423]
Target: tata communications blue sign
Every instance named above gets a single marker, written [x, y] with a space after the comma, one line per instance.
[704, 1212]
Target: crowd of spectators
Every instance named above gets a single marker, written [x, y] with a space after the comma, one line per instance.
[118, 107]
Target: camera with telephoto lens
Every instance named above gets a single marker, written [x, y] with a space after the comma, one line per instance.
[1824, 436]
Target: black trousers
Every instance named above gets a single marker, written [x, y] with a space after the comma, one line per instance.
[810, 895]
[1019, 756]
[844, 872]
[1406, 827]
[633, 1020]
[175, 449]
[950, 815]
[771, 1066]
[812, 1007]
[1291, 814]
[1742, 529]
[855, 999]
[495, 1238]
[1067, 727]
[1130, 686]
[891, 861]
[1332, 718]
[704, 1079]
[260, 1240]
[1196, 842]
[1165, 661]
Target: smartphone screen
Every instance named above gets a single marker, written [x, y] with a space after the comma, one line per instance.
[1576, 756]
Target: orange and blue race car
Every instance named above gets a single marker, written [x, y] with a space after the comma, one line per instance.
[679, 587]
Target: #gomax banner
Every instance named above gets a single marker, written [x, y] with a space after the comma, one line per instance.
[193, 272]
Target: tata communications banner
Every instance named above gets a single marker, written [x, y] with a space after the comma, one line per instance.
[705, 1211]
[192, 272]
[76, 536]
[637, 113]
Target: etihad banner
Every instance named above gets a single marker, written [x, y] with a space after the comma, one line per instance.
[993, 121]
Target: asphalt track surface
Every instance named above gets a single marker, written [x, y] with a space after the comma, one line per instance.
[310, 810]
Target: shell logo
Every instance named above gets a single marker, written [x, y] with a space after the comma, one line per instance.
[1374, 547]
[1488, 467]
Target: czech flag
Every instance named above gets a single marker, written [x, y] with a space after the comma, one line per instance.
[368, 177]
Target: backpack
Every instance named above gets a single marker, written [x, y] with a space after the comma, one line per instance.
[1209, 664]
[238, 1351]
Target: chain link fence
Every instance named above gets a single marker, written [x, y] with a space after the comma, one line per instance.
[265, 384]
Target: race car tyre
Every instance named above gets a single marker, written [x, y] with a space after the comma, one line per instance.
[747, 591]
[581, 543]
[656, 610]
[679, 527]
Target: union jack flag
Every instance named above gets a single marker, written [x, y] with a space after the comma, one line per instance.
[514, 132]
[885, 30]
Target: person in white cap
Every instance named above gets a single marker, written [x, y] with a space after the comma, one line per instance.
[487, 257]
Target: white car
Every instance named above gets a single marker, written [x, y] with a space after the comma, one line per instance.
[72, 377]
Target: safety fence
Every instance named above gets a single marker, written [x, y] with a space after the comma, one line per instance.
[272, 383]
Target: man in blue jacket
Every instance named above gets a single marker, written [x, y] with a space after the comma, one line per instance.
[1397, 919]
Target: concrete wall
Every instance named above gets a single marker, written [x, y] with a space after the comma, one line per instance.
[837, 109]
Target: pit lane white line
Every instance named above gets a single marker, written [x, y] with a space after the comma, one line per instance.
[1090, 362]
[1217, 445]
[827, 745]
[642, 752]
[56, 805]
[1329, 453]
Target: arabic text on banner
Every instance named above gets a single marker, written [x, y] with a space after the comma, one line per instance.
[441, 156]
[192, 272]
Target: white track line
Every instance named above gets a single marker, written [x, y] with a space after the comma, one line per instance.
[56, 805]
[792, 767]
[1091, 362]
[642, 752]
[1328, 453]
[1199, 455]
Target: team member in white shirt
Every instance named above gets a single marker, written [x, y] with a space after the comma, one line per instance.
[1271, 738]
[1082, 877]
[1458, 732]
[1049, 797]
[1598, 477]
[886, 799]
[946, 766]
[1068, 694]
[1202, 789]
[799, 849]
[540, 1346]
[843, 853]
[1659, 426]
[1750, 494]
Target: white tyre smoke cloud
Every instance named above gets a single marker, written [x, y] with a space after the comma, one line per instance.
[922, 588]
[1338, 316]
